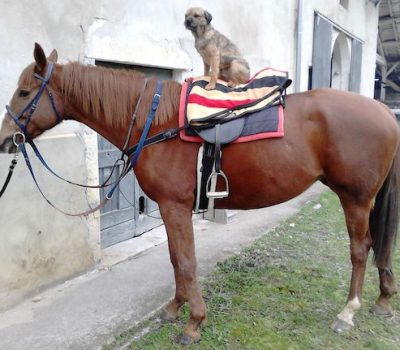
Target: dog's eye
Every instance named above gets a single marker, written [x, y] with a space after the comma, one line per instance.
[196, 16]
[24, 93]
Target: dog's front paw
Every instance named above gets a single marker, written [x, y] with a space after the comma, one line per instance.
[232, 84]
[210, 86]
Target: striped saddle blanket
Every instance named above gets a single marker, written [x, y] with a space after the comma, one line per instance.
[263, 90]
[259, 102]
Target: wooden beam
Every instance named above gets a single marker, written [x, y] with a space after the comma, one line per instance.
[391, 43]
[380, 47]
[393, 67]
[381, 60]
[387, 20]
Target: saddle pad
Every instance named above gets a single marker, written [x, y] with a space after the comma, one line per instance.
[263, 124]
[200, 103]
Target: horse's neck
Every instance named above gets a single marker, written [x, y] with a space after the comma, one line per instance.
[104, 100]
[97, 122]
[88, 105]
[115, 135]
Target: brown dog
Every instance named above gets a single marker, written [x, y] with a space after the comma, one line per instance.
[217, 51]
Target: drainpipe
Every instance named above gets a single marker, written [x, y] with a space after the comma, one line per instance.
[298, 44]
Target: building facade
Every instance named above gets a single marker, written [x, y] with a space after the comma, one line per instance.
[320, 43]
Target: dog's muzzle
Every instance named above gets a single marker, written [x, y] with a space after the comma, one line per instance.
[189, 24]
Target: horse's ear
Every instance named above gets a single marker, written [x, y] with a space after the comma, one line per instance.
[53, 56]
[40, 58]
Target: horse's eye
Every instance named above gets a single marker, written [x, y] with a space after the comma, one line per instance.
[24, 93]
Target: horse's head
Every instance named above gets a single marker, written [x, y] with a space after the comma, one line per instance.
[35, 105]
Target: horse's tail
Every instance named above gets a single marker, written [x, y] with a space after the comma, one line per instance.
[385, 216]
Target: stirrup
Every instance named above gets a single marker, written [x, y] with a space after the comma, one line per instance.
[215, 194]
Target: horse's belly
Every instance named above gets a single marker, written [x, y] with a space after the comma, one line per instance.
[265, 173]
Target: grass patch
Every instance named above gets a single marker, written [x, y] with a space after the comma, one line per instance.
[283, 292]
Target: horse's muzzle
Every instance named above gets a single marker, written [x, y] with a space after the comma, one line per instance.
[8, 146]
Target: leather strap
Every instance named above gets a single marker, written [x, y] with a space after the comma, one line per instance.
[10, 173]
[217, 154]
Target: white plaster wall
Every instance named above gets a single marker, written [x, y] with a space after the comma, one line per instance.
[39, 245]
[144, 35]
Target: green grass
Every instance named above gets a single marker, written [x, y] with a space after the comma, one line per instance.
[283, 292]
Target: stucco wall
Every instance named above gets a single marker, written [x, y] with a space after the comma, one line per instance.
[39, 245]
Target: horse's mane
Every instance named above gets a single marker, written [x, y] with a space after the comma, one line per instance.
[113, 93]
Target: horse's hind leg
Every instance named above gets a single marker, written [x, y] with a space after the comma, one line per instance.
[357, 221]
[178, 222]
[388, 289]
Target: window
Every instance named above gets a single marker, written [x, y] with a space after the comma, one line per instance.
[161, 73]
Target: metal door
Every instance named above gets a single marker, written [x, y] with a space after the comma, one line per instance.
[355, 66]
[322, 53]
[129, 213]
[117, 220]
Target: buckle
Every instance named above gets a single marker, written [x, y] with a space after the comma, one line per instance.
[156, 101]
[18, 138]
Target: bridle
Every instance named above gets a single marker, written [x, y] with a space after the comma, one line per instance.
[30, 108]
[132, 154]
[20, 137]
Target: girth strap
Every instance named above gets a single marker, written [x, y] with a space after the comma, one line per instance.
[160, 137]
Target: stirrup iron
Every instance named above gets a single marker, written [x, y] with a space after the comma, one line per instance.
[214, 194]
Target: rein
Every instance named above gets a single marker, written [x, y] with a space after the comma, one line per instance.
[13, 161]
[30, 108]
[121, 159]
[127, 166]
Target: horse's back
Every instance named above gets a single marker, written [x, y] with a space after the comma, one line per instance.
[358, 136]
[342, 138]
[348, 108]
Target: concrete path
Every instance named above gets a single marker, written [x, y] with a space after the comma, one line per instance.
[134, 280]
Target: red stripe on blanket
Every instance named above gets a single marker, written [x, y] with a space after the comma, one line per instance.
[206, 102]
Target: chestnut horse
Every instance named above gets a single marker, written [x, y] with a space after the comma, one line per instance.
[349, 142]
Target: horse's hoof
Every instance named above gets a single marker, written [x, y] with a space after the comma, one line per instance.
[167, 316]
[340, 326]
[380, 310]
[188, 340]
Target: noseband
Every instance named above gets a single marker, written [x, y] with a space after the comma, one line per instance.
[32, 104]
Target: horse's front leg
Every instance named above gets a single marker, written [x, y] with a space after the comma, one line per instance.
[178, 222]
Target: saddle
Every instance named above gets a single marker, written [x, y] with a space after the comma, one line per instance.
[225, 115]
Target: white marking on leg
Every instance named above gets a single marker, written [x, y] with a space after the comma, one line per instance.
[349, 310]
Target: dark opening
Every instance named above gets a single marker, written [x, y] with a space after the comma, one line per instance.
[310, 77]
[142, 204]
[161, 73]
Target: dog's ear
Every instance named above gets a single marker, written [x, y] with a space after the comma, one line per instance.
[208, 16]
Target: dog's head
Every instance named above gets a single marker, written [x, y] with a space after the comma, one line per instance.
[197, 19]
